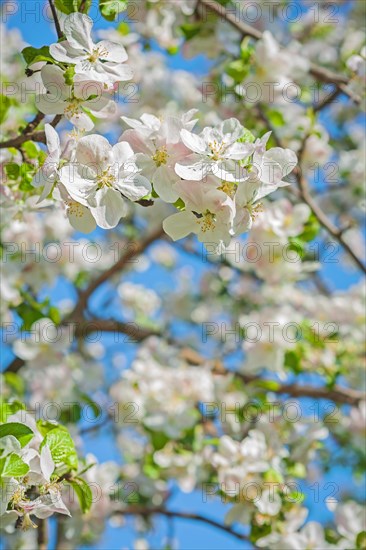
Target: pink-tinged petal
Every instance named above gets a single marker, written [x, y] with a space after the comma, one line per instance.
[81, 121]
[138, 141]
[193, 194]
[94, 151]
[118, 73]
[179, 225]
[78, 187]
[286, 158]
[239, 151]
[192, 169]
[102, 107]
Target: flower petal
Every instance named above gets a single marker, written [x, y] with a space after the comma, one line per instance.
[110, 208]
[179, 225]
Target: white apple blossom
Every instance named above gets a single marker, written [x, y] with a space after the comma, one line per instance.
[216, 151]
[101, 62]
[102, 177]
[71, 101]
[209, 214]
[159, 148]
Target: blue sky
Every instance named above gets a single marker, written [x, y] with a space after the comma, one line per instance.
[192, 536]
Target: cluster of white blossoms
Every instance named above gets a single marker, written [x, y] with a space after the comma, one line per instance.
[215, 178]
[199, 405]
[30, 460]
[96, 70]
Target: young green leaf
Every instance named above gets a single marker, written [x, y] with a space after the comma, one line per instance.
[83, 492]
[62, 448]
[111, 8]
[13, 466]
[18, 430]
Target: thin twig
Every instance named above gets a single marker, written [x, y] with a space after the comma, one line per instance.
[145, 512]
[325, 222]
[42, 534]
[55, 19]
[320, 73]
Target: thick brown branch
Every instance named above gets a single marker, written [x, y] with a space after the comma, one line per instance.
[29, 133]
[320, 73]
[338, 394]
[134, 250]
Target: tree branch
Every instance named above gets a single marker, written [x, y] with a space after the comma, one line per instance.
[324, 221]
[146, 512]
[29, 133]
[320, 73]
[135, 250]
[56, 20]
[42, 534]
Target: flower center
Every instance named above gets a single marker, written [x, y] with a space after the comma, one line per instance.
[106, 178]
[216, 149]
[96, 54]
[254, 210]
[72, 107]
[228, 187]
[207, 222]
[161, 156]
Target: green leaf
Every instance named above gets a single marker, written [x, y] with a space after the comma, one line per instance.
[111, 8]
[45, 426]
[179, 204]
[15, 381]
[18, 430]
[6, 409]
[13, 466]
[28, 314]
[270, 385]
[62, 448]
[247, 137]
[311, 229]
[34, 55]
[30, 149]
[361, 540]
[92, 404]
[292, 361]
[238, 70]
[190, 30]
[83, 492]
[5, 104]
[276, 118]
[12, 170]
[69, 6]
